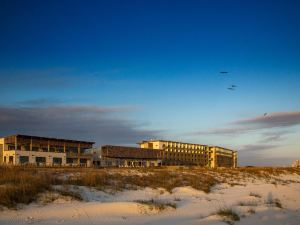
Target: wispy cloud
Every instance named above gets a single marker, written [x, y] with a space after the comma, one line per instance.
[100, 124]
[274, 136]
[56, 78]
[258, 147]
[273, 120]
[278, 119]
[40, 102]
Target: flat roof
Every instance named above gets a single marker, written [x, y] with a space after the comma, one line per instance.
[48, 138]
[170, 141]
[185, 143]
[215, 146]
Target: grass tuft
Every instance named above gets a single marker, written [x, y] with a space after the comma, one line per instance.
[228, 215]
[256, 195]
[157, 205]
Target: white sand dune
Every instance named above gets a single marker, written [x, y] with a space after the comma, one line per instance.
[193, 207]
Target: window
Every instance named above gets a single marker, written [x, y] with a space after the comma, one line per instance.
[69, 160]
[83, 161]
[24, 159]
[57, 161]
[40, 160]
[11, 159]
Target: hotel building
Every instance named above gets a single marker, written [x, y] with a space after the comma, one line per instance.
[25, 149]
[180, 153]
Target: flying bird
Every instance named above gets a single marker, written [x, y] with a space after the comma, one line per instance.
[232, 87]
[223, 72]
[265, 114]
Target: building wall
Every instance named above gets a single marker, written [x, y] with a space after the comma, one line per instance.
[32, 157]
[222, 157]
[1, 149]
[118, 162]
[124, 156]
[22, 149]
[177, 153]
[296, 163]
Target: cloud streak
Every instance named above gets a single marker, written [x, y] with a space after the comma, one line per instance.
[258, 147]
[94, 123]
[273, 120]
[279, 119]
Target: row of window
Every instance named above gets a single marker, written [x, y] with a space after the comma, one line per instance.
[38, 160]
[185, 151]
[189, 158]
[44, 149]
[185, 146]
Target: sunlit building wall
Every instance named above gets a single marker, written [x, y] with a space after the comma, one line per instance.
[180, 153]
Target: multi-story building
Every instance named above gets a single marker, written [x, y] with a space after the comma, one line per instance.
[180, 153]
[296, 164]
[123, 156]
[25, 149]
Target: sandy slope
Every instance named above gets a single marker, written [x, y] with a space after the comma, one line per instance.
[193, 207]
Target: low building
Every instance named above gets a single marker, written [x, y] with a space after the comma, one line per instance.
[122, 156]
[296, 164]
[25, 149]
[181, 153]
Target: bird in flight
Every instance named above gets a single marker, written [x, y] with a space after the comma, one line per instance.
[265, 114]
[232, 87]
[223, 72]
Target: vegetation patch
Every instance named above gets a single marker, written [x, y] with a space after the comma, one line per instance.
[228, 215]
[23, 184]
[277, 203]
[20, 186]
[256, 195]
[157, 205]
[251, 211]
[248, 203]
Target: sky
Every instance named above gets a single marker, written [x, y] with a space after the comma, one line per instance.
[118, 72]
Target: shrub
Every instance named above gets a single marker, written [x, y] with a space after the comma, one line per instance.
[19, 186]
[228, 215]
[256, 195]
[157, 205]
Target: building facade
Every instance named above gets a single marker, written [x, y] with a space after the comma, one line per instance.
[122, 156]
[33, 150]
[180, 153]
[222, 157]
[296, 164]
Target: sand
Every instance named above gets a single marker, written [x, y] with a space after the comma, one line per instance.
[193, 207]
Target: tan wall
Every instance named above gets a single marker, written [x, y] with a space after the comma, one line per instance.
[221, 157]
[1, 149]
[128, 162]
[32, 156]
[176, 153]
[195, 154]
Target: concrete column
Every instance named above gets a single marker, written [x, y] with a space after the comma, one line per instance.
[16, 143]
[78, 154]
[30, 147]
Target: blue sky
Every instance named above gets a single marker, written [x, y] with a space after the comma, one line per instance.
[120, 71]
